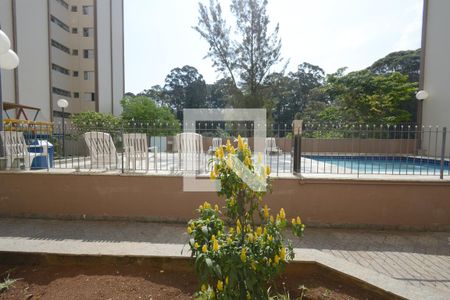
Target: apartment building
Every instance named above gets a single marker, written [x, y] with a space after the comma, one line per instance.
[435, 66]
[71, 49]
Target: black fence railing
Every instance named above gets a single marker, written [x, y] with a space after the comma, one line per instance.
[159, 147]
[369, 149]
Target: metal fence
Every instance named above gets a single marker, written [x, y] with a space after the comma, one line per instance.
[70, 149]
[373, 149]
[152, 147]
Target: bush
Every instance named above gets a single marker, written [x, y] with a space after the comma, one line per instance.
[141, 114]
[95, 121]
[238, 252]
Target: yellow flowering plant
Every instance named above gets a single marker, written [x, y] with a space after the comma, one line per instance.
[239, 251]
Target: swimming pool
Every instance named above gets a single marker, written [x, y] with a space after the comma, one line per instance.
[375, 165]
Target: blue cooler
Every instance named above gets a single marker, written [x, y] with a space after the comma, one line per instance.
[40, 162]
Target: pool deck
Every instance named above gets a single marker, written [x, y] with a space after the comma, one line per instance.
[415, 265]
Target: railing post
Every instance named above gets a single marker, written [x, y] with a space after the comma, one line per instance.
[297, 132]
[444, 136]
[123, 148]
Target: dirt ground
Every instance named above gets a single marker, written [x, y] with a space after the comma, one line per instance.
[141, 282]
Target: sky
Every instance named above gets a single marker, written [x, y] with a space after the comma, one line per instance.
[327, 33]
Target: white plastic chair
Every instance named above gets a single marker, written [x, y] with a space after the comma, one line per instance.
[271, 146]
[101, 149]
[190, 150]
[216, 143]
[16, 148]
[136, 150]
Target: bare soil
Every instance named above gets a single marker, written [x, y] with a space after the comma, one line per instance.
[143, 282]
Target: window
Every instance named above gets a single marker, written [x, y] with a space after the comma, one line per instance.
[75, 30]
[88, 53]
[75, 52]
[60, 46]
[76, 95]
[89, 75]
[74, 8]
[88, 31]
[89, 96]
[75, 73]
[60, 69]
[63, 3]
[60, 23]
[88, 10]
[61, 92]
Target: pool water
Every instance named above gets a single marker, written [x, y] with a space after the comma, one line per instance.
[379, 165]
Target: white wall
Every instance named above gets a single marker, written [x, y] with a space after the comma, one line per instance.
[33, 50]
[104, 56]
[7, 77]
[118, 55]
[110, 55]
[436, 109]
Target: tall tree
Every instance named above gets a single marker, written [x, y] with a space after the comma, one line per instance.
[218, 94]
[366, 98]
[291, 93]
[405, 62]
[246, 56]
[157, 93]
[142, 109]
[185, 88]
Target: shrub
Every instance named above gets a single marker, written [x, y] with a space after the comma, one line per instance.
[141, 114]
[240, 250]
[95, 121]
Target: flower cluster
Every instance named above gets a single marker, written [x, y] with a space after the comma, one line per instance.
[238, 261]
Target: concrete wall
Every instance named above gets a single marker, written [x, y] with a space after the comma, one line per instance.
[318, 202]
[104, 51]
[6, 24]
[33, 50]
[436, 78]
[118, 72]
[110, 58]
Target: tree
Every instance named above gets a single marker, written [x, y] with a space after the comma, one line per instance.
[218, 94]
[405, 62]
[292, 93]
[185, 88]
[246, 59]
[142, 112]
[95, 121]
[156, 93]
[367, 98]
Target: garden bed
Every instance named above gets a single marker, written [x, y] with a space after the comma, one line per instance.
[68, 277]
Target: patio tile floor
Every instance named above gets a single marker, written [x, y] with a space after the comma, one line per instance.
[418, 260]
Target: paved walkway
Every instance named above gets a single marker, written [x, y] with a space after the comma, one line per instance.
[420, 260]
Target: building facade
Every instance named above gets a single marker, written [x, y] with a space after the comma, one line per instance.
[71, 49]
[435, 66]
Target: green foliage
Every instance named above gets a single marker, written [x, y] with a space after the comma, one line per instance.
[7, 283]
[293, 92]
[141, 114]
[185, 88]
[240, 250]
[245, 57]
[95, 121]
[404, 62]
[363, 98]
